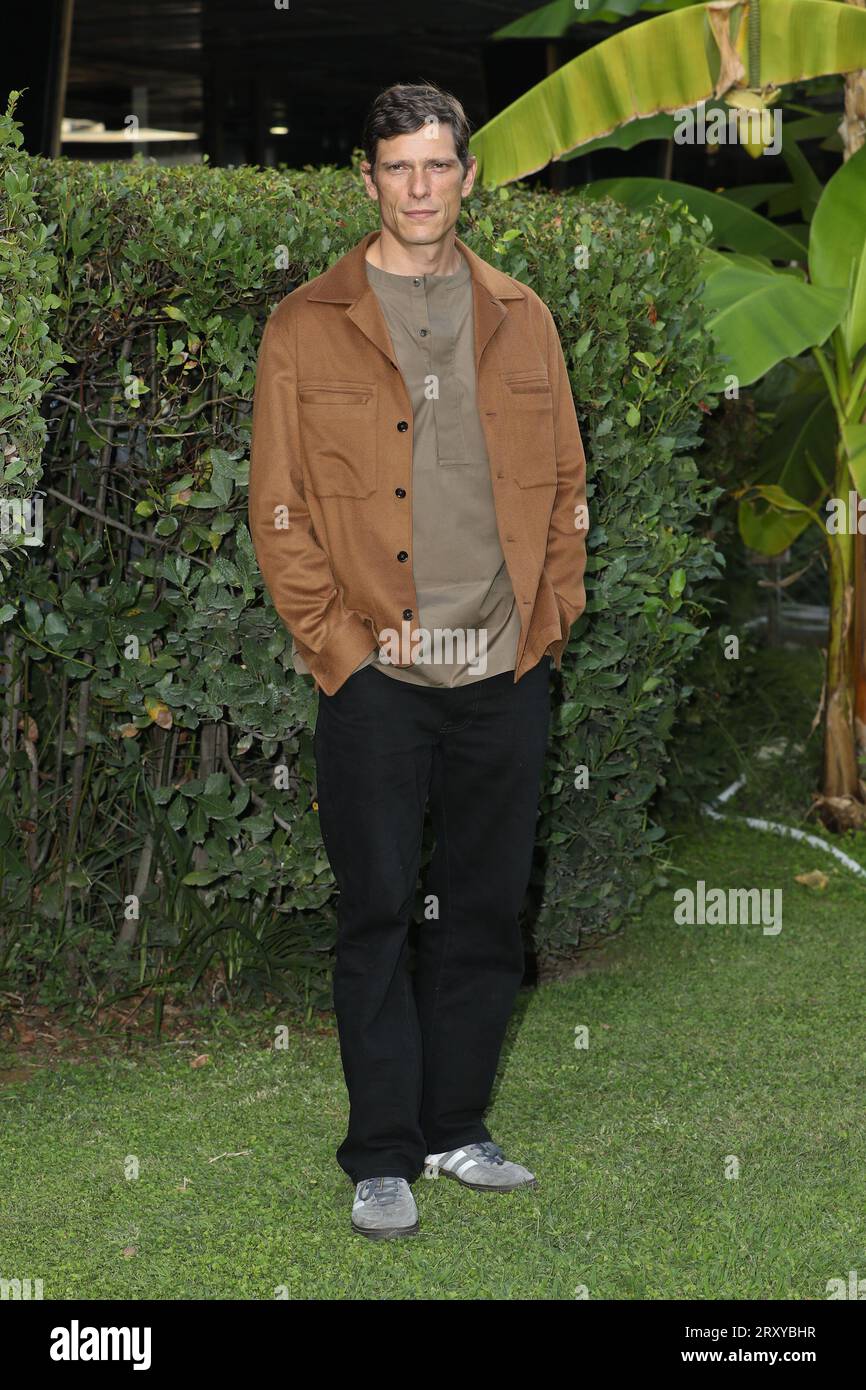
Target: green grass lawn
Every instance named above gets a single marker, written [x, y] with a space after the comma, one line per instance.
[704, 1042]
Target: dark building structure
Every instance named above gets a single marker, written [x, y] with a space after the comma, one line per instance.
[258, 81]
[288, 81]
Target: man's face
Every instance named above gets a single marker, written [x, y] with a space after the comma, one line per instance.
[419, 184]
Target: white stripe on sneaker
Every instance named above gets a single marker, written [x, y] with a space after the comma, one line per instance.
[452, 1161]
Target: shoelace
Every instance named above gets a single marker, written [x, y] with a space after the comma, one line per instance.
[489, 1151]
[485, 1150]
[385, 1190]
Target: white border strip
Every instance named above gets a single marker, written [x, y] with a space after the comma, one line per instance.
[775, 828]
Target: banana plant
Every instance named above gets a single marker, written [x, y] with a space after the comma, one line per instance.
[806, 480]
[761, 315]
[814, 470]
[698, 53]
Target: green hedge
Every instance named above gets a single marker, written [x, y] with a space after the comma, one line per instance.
[170, 772]
[28, 356]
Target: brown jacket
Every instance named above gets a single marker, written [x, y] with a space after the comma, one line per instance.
[330, 501]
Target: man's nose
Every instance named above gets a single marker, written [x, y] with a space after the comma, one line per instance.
[419, 185]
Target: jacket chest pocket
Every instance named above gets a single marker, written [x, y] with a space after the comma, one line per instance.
[338, 436]
[529, 423]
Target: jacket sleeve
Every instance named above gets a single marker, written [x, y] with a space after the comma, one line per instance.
[295, 568]
[565, 560]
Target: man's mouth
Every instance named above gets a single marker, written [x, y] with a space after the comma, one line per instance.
[421, 212]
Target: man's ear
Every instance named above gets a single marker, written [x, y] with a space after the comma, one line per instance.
[469, 176]
[369, 181]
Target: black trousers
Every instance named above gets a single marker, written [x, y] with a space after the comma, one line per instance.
[420, 1049]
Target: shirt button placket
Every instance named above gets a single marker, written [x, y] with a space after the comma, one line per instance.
[424, 334]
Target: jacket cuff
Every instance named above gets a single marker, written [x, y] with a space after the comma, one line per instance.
[345, 648]
[555, 649]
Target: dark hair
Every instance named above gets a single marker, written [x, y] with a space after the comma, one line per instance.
[405, 108]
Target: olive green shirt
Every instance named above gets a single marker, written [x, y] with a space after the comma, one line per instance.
[461, 579]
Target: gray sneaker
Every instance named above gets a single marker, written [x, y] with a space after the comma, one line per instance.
[483, 1167]
[384, 1209]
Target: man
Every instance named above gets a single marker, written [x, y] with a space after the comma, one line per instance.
[417, 505]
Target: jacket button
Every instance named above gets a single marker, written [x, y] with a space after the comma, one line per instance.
[402, 426]
[402, 556]
[399, 492]
[407, 613]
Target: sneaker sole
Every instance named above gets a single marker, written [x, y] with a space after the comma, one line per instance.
[486, 1187]
[394, 1233]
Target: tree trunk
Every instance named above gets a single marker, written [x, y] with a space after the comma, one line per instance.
[853, 132]
[840, 804]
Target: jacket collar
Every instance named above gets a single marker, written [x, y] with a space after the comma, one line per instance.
[345, 282]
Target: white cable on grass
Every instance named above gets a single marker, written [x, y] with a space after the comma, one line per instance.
[775, 828]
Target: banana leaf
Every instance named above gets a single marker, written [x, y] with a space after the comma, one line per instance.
[837, 245]
[854, 439]
[773, 529]
[554, 20]
[800, 453]
[625, 137]
[805, 180]
[758, 319]
[786, 197]
[781, 198]
[733, 226]
[764, 264]
[816, 126]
